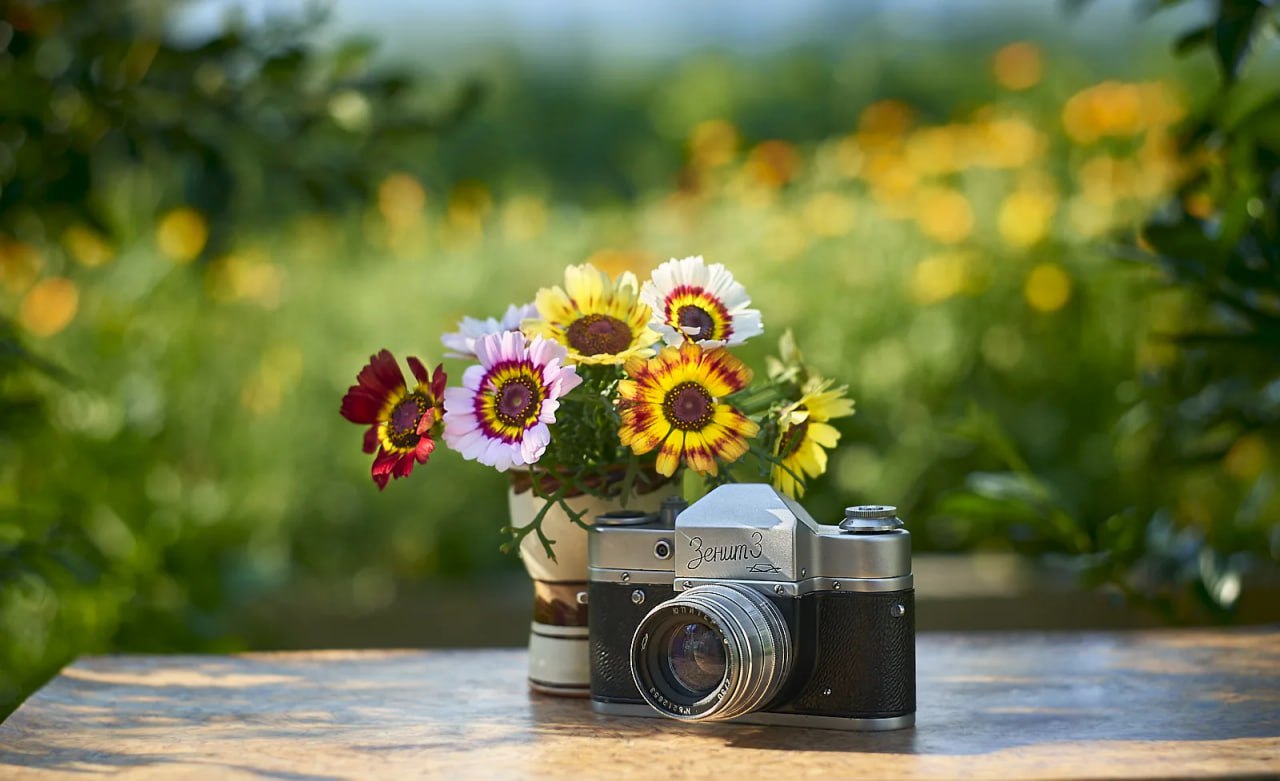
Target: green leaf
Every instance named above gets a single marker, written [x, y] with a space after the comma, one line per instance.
[1233, 33]
[1192, 40]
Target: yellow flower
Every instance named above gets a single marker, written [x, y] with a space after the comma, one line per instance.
[674, 402]
[182, 234]
[806, 435]
[596, 319]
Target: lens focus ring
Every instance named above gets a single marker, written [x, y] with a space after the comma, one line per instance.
[756, 644]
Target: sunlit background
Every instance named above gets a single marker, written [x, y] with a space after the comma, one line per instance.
[198, 252]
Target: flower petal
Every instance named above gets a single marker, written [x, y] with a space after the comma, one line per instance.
[361, 405]
[426, 446]
[383, 463]
[419, 371]
[669, 455]
[371, 439]
[382, 375]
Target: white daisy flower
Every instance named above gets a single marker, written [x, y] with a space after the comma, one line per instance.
[462, 343]
[696, 302]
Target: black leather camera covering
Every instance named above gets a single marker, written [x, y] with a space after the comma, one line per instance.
[850, 643]
[612, 618]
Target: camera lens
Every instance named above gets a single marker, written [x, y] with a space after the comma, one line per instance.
[714, 652]
[695, 658]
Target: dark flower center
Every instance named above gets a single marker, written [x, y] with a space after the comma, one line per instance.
[695, 317]
[792, 439]
[599, 334]
[688, 406]
[517, 401]
[402, 423]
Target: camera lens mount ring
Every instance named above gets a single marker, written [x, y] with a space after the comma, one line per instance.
[754, 642]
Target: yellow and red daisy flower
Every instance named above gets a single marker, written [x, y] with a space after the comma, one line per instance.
[674, 402]
[401, 422]
[805, 435]
[597, 320]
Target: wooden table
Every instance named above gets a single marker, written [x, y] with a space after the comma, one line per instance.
[1143, 704]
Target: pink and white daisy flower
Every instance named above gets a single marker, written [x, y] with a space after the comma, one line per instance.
[501, 415]
[700, 303]
[462, 343]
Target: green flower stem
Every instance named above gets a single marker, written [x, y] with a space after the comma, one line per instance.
[754, 401]
[518, 533]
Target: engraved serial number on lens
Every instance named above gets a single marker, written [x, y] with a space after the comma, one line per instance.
[737, 552]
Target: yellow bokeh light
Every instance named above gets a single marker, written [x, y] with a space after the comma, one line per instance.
[713, 143]
[247, 275]
[1105, 179]
[401, 200]
[772, 163]
[469, 204]
[50, 306]
[1198, 204]
[1011, 142]
[1247, 458]
[1018, 66]
[87, 246]
[1026, 215]
[886, 118]
[1118, 109]
[944, 215]
[849, 157]
[181, 234]
[1162, 104]
[20, 265]
[829, 214]
[615, 261]
[932, 151]
[941, 276]
[1088, 218]
[524, 218]
[1048, 288]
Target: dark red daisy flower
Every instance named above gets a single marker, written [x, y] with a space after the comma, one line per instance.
[402, 422]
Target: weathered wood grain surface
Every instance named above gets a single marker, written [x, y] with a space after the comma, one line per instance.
[1144, 704]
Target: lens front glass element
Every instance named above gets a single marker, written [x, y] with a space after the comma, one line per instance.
[695, 658]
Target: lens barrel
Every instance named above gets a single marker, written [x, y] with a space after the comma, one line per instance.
[755, 652]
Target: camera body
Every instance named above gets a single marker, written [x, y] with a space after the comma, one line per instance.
[743, 608]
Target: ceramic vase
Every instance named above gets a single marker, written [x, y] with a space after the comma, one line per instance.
[559, 661]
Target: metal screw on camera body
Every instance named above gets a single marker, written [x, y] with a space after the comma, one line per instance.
[898, 611]
[870, 519]
[779, 589]
[637, 597]
[626, 576]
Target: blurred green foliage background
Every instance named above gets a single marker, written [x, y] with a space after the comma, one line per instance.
[201, 242]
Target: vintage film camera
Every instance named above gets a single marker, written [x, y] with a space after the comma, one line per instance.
[743, 608]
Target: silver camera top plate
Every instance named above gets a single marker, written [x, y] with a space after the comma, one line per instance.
[752, 533]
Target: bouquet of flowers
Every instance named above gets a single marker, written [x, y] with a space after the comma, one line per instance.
[607, 387]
